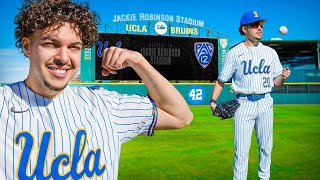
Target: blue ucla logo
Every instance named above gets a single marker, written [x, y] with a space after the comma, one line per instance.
[261, 69]
[203, 52]
[91, 160]
[102, 46]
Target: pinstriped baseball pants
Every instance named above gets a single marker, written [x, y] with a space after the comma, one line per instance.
[258, 115]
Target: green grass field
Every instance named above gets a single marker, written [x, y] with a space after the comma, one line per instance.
[204, 150]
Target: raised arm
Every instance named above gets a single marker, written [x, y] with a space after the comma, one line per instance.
[173, 110]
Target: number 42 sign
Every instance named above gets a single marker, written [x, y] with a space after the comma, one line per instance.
[196, 94]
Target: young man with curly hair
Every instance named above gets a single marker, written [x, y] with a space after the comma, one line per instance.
[55, 131]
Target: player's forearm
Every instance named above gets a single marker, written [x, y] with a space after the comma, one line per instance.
[218, 86]
[164, 94]
[279, 81]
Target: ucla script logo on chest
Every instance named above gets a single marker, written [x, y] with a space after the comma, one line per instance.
[249, 68]
[90, 161]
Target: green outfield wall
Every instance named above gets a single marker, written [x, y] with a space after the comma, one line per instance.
[200, 93]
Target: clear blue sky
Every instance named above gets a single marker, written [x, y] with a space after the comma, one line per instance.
[300, 16]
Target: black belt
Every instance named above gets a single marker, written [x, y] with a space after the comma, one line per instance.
[252, 97]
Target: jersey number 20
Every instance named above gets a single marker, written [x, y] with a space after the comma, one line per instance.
[266, 82]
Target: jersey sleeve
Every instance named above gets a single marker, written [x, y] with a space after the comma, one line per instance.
[132, 115]
[1, 95]
[1, 100]
[227, 68]
[277, 67]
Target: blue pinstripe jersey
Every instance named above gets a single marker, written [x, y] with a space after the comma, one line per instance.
[252, 69]
[76, 135]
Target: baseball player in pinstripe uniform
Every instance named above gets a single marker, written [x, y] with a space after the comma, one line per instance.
[53, 131]
[255, 69]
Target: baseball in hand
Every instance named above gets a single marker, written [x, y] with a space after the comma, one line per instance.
[283, 30]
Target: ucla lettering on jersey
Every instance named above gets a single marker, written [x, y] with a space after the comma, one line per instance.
[248, 68]
[77, 135]
[90, 168]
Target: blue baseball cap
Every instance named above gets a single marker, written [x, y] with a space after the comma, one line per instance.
[250, 17]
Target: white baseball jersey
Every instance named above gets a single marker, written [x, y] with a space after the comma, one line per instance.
[252, 69]
[77, 135]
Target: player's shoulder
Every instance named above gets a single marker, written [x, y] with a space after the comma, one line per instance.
[10, 86]
[85, 89]
[10, 89]
[266, 48]
[99, 93]
[95, 90]
[239, 47]
[2, 86]
[236, 51]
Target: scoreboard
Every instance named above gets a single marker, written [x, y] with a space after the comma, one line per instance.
[176, 58]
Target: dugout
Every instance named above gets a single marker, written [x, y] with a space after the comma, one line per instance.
[297, 54]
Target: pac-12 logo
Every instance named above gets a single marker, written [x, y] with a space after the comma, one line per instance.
[203, 52]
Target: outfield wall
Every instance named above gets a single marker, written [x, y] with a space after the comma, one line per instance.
[200, 94]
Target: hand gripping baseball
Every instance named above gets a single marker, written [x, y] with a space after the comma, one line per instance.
[226, 109]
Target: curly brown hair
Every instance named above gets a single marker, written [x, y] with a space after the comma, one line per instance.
[39, 14]
[240, 31]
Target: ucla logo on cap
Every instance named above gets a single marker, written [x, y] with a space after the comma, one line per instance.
[255, 13]
[203, 52]
[250, 17]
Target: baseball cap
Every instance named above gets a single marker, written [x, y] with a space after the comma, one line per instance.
[250, 17]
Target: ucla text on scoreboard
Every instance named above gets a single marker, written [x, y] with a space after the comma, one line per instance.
[162, 24]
